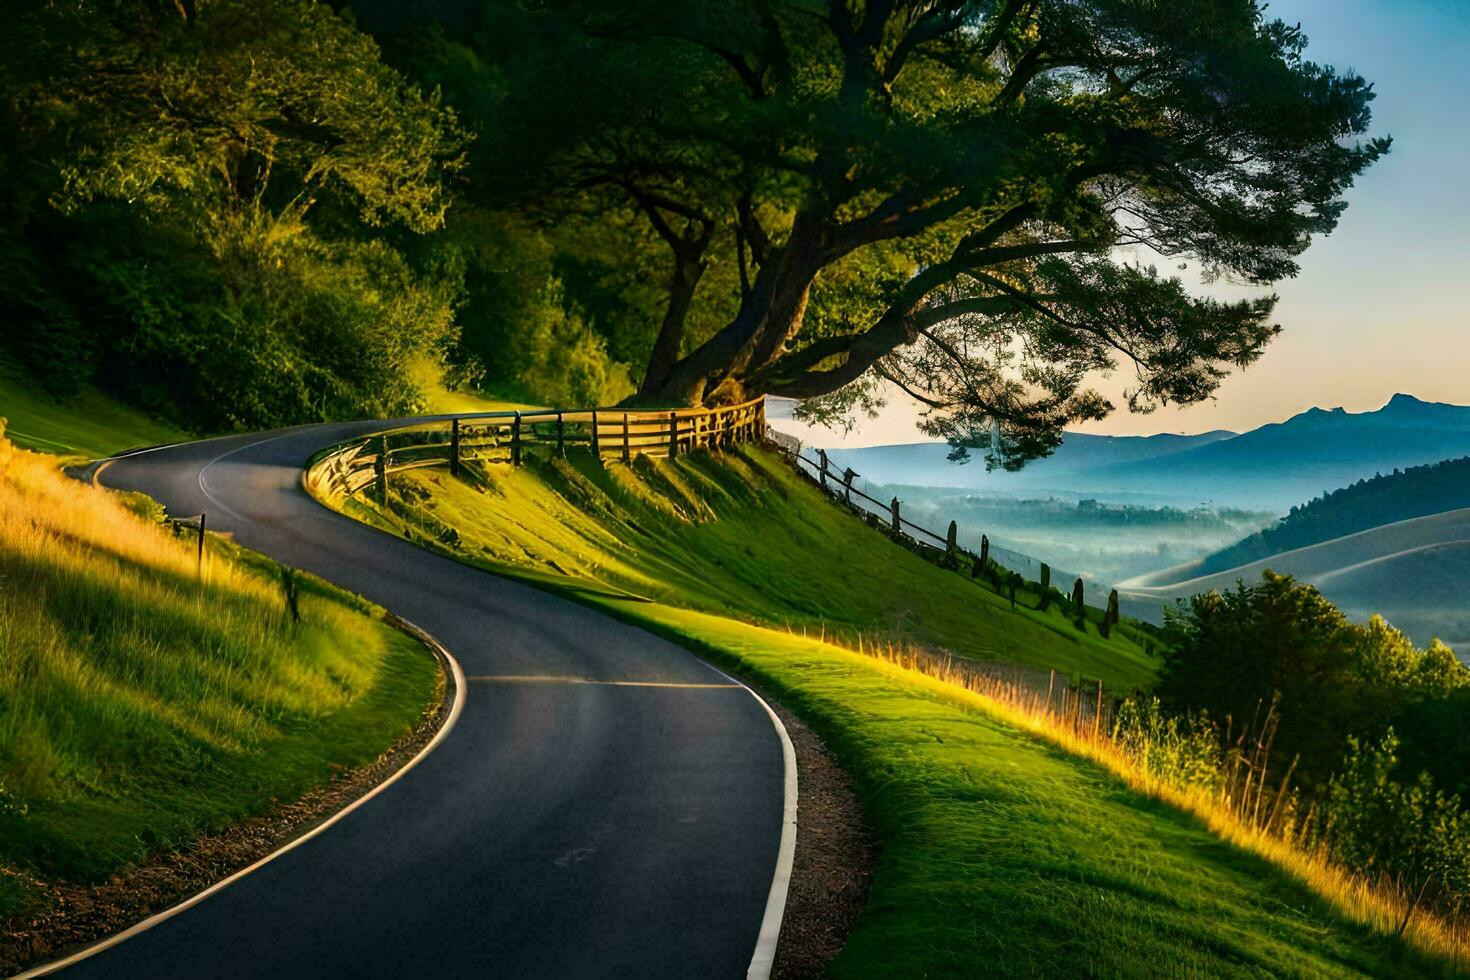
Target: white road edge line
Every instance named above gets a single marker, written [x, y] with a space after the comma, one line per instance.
[765, 944]
[459, 692]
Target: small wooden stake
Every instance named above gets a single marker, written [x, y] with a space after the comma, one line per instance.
[673, 434]
[454, 447]
[596, 445]
[199, 559]
[561, 441]
[627, 447]
[515, 440]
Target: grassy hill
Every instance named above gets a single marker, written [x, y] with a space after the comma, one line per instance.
[141, 708]
[88, 424]
[1000, 851]
[742, 537]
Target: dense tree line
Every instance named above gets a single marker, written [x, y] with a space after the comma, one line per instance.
[247, 213]
[1398, 496]
[216, 211]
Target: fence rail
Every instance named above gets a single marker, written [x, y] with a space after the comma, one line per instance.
[366, 462]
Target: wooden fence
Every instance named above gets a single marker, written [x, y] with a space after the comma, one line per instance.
[888, 515]
[366, 462]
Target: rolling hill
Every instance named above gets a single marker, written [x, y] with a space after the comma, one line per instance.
[1411, 572]
[1403, 494]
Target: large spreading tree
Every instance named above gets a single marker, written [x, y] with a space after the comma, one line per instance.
[963, 199]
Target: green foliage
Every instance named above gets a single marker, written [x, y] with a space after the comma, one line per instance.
[209, 210]
[1181, 750]
[1231, 651]
[1404, 829]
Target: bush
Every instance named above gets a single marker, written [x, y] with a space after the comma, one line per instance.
[1228, 652]
[1409, 832]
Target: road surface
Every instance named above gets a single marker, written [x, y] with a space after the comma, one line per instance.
[561, 830]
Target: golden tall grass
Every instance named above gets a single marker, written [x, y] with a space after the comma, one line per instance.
[1069, 723]
[106, 627]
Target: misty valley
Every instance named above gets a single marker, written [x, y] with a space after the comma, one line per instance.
[1372, 508]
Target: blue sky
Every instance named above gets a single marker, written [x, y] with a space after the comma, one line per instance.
[1383, 304]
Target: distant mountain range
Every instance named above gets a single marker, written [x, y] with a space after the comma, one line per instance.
[1273, 467]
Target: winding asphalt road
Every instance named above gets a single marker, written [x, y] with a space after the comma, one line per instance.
[561, 830]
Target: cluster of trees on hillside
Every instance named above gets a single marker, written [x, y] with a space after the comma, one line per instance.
[1403, 494]
[1374, 731]
[255, 212]
[216, 208]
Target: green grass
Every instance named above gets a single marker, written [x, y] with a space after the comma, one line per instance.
[140, 708]
[1000, 853]
[89, 424]
[743, 537]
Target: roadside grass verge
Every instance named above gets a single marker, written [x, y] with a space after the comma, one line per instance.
[89, 424]
[141, 708]
[1006, 845]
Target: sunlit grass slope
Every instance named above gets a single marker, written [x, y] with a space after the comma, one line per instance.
[1001, 853]
[140, 708]
[742, 536]
[88, 424]
[1004, 855]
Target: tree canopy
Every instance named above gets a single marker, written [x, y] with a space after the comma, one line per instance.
[963, 198]
[214, 205]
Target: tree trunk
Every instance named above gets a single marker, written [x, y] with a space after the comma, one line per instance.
[688, 269]
[767, 319]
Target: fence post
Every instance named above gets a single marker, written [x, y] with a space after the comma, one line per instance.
[199, 558]
[291, 592]
[627, 448]
[380, 471]
[596, 445]
[894, 507]
[822, 469]
[673, 434]
[984, 552]
[1097, 714]
[847, 475]
[515, 440]
[951, 539]
[561, 443]
[454, 447]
